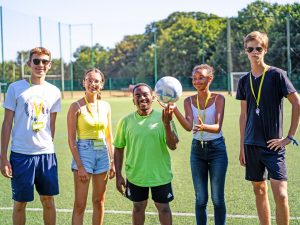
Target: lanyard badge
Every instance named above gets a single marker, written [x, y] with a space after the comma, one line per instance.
[98, 126]
[38, 125]
[98, 144]
[257, 99]
[204, 112]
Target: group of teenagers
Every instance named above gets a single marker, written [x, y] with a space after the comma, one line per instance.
[143, 139]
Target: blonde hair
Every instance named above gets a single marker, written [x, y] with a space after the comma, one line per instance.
[210, 69]
[39, 51]
[260, 37]
[102, 76]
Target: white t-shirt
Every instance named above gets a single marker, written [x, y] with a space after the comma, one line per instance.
[32, 103]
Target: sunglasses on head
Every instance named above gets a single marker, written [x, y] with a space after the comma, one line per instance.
[251, 49]
[38, 61]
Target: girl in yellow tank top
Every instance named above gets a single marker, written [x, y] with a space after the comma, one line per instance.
[92, 120]
[89, 119]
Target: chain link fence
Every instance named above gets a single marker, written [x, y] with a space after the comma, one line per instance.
[21, 32]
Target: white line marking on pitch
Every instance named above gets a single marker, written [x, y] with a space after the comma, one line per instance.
[148, 213]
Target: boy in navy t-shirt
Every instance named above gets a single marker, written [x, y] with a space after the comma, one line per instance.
[262, 142]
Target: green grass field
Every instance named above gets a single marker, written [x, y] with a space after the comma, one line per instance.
[239, 196]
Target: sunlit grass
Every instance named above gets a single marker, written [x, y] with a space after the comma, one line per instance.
[239, 196]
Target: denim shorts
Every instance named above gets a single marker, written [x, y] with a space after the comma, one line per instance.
[33, 170]
[95, 160]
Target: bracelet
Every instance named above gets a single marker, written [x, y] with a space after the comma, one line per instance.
[111, 160]
[293, 140]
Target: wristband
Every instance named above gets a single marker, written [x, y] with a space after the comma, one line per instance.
[293, 140]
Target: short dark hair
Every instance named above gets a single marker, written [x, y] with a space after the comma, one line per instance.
[139, 85]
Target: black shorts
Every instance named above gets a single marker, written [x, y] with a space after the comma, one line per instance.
[160, 194]
[263, 163]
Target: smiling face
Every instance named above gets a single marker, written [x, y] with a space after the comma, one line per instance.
[143, 98]
[39, 64]
[93, 82]
[201, 79]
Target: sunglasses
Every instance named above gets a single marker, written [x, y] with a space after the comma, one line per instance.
[251, 49]
[38, 61]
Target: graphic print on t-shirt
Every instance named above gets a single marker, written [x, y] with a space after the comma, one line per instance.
[36, 108]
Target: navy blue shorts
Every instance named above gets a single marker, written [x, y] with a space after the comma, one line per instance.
[263, 163]
[30, 170]
[160, 194]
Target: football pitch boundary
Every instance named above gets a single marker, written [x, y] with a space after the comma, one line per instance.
[233, 216]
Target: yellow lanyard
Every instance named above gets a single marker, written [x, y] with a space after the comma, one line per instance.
[198, 106]
[259, 90]
[37, 109]
[90, 111]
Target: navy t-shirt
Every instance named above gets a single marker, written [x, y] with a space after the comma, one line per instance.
[269, 123]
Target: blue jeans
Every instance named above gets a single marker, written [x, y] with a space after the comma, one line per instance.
[209, 159]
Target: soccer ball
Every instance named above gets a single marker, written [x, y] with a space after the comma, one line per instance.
[168, 89]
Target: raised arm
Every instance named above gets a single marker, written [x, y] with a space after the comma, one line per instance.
[171, 135]
[187, 120]
[217, 126]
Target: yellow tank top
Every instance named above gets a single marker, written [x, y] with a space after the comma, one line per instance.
[93, 126]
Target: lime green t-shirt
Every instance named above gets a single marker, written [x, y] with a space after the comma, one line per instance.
[148, 161]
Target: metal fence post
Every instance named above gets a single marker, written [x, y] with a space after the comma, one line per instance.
[229, 57]
[288, 47]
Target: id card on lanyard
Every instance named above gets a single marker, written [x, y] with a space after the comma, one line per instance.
[38, 108]
[98, 144]
[37, 126]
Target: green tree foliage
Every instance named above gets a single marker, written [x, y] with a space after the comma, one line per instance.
[278, 48]
[124, 57]
[259, 16]
[87, 57]
[186, 39]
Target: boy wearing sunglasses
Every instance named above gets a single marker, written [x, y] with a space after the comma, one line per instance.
[262, 141]
[30, 112]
